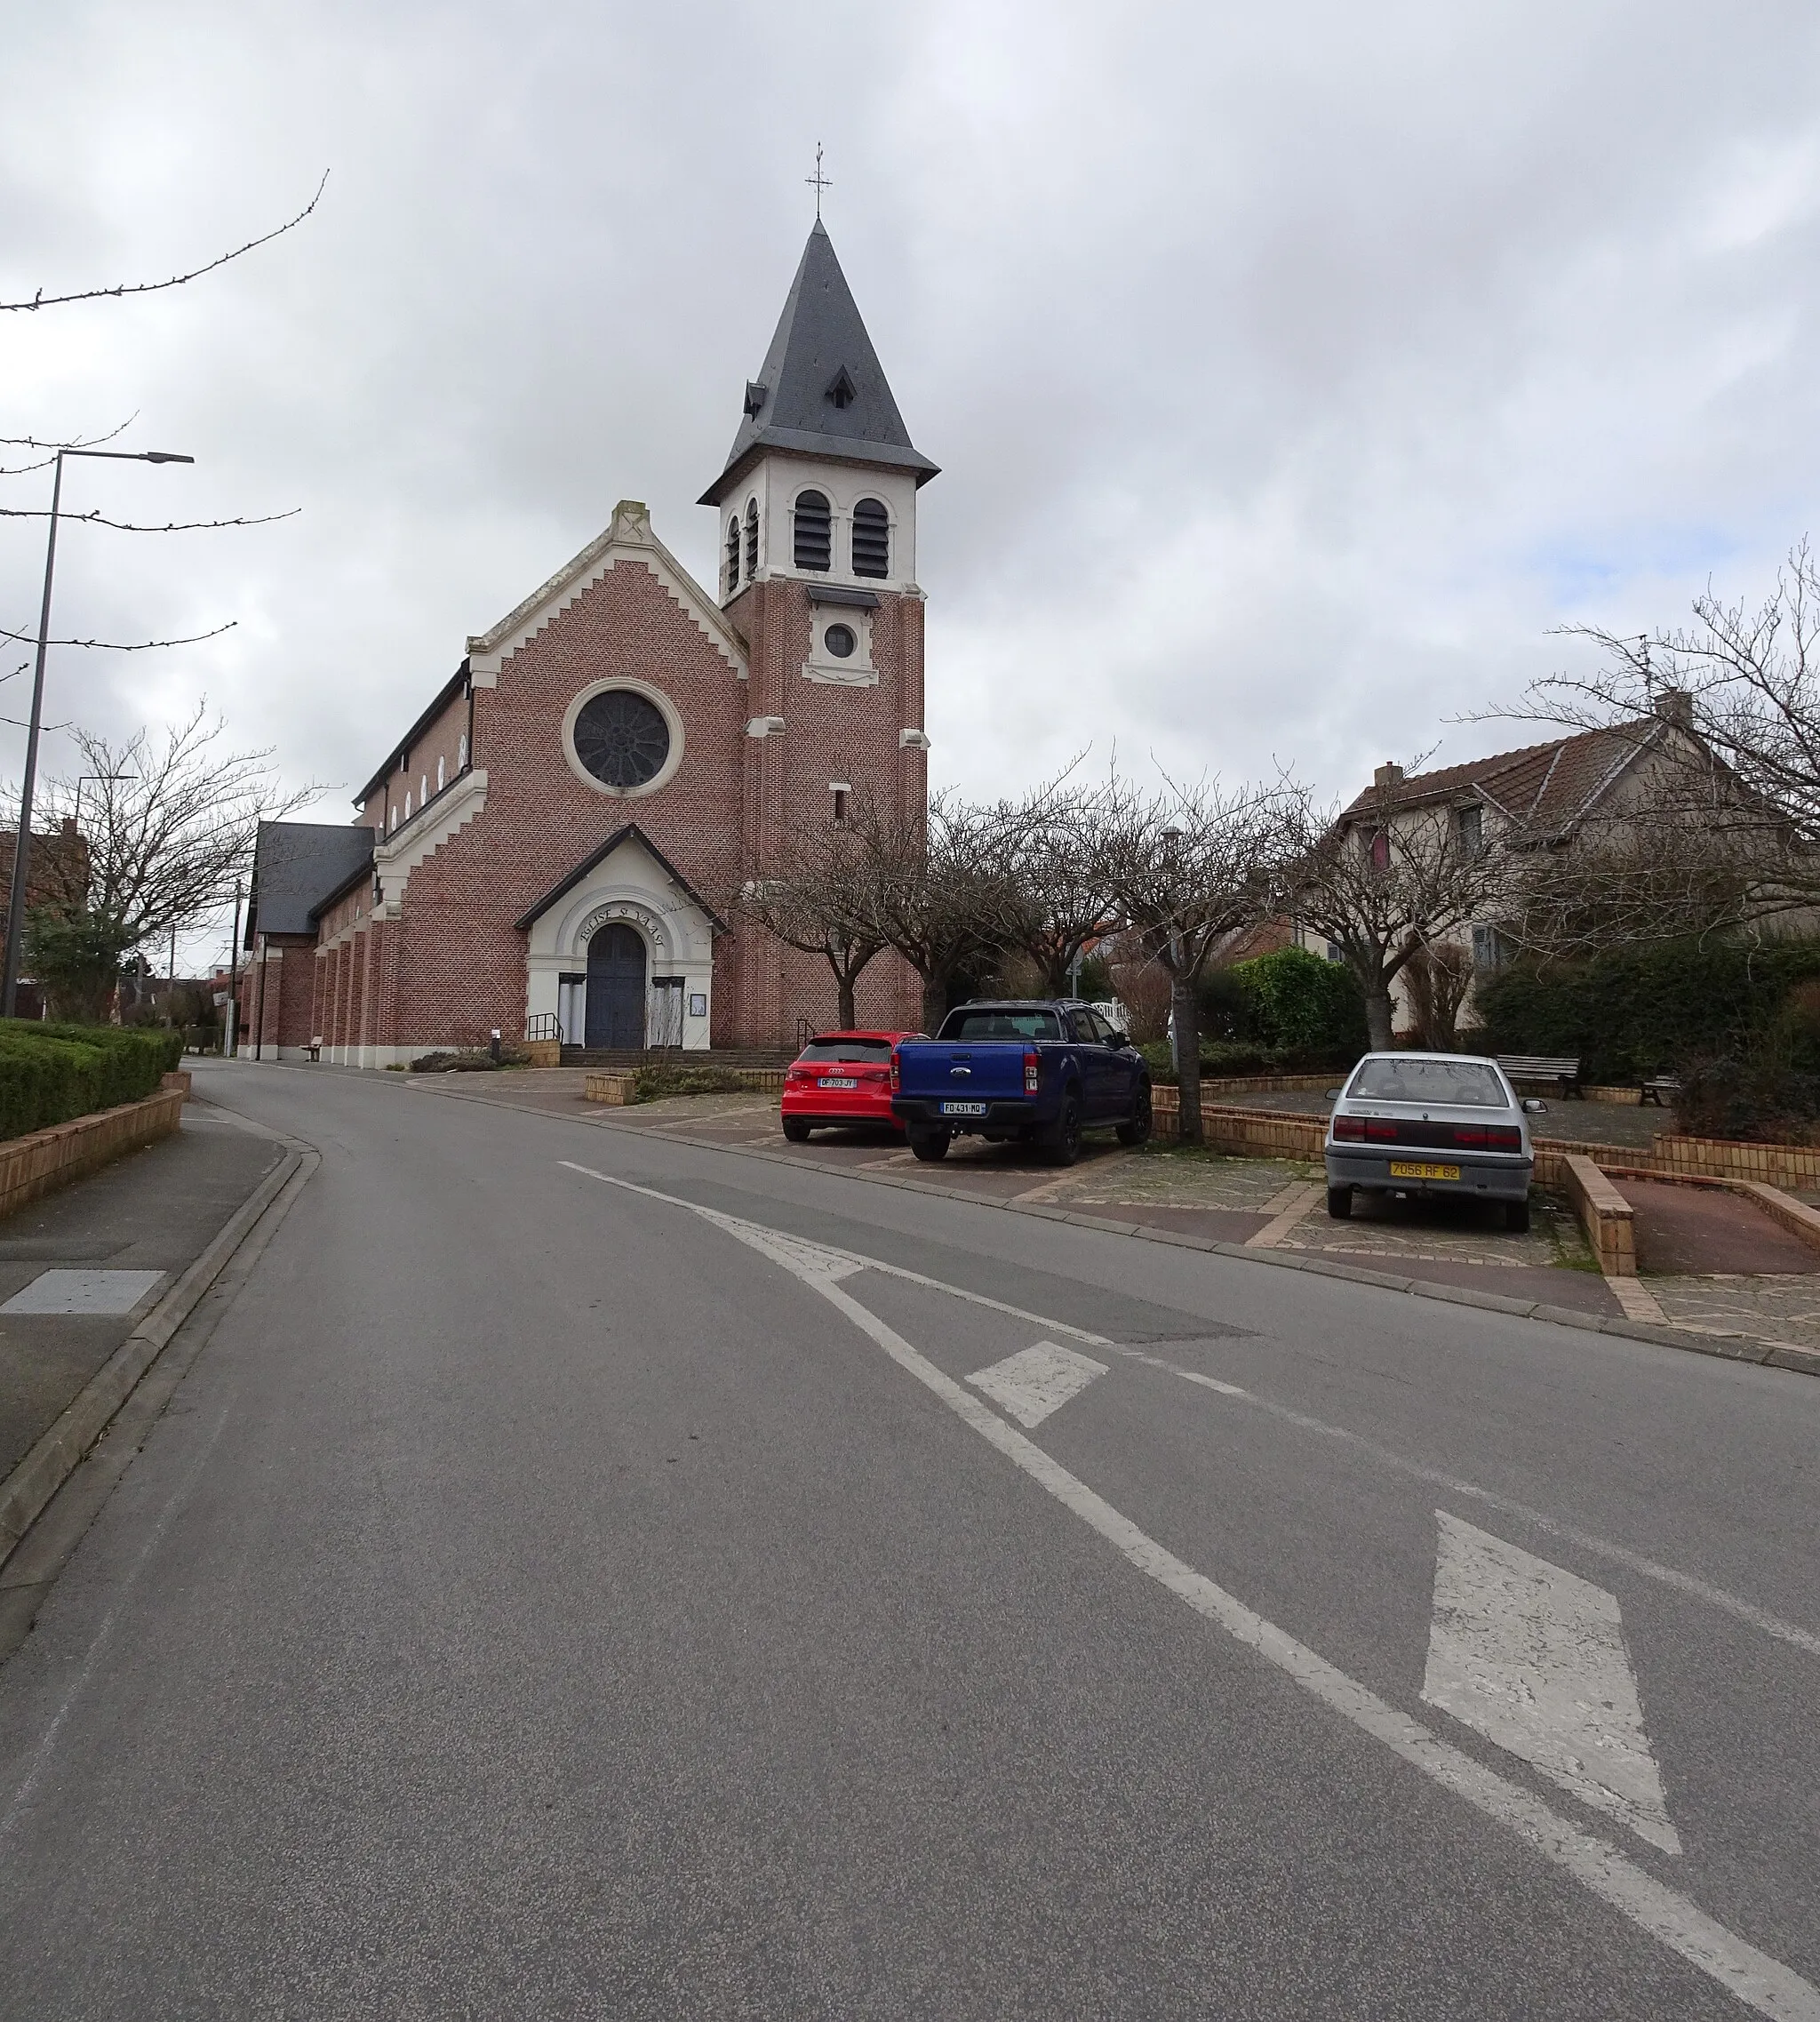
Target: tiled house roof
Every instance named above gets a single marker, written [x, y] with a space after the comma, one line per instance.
[1546, 788]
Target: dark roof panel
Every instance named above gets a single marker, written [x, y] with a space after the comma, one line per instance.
[821, 390]
[1545, 787]
[296, 866]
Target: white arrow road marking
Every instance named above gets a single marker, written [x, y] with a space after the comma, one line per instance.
[1036, 1381]
[1675, 1920]
[1533, 1657]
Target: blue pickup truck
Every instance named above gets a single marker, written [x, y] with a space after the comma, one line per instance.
[1020, 1073]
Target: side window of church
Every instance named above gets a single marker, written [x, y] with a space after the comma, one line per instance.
[733, 555]
[751, 539]
[814, 530]
[871, 538]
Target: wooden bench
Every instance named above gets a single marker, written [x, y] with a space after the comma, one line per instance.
[1543, 1067]
[1657, 1087]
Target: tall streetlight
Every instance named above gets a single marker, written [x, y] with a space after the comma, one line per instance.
[22, 843]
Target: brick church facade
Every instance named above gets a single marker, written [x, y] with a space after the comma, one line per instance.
[554, 848]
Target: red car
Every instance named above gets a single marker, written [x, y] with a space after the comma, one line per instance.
[841, 1077]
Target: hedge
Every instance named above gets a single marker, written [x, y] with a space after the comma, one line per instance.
[1646, 1011]
[52, 1073]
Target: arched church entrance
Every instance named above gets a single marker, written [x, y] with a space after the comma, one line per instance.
[616, 967]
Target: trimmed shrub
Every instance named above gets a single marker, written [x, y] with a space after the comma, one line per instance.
[475, 1060]
[1646, 1011]
[49, 1073]
[1304, 1005]
[650, 1083]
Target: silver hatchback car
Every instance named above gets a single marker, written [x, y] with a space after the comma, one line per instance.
[1430, 1124]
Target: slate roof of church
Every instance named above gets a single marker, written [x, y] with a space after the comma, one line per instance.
[296, 867]
[820, 337]
[1546, 788]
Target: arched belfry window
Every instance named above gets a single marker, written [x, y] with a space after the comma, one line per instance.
[814, 544]
[733, 555]
[871, 538]
[751, 539]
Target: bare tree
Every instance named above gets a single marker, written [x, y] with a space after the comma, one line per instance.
[167, 826]
[938, 891]
[1728, 832]
[817, 901]
[1062, 875]
[1388, 882]
[1189, 867]
[1439, 980]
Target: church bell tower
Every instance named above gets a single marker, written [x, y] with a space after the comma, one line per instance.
[817, 572]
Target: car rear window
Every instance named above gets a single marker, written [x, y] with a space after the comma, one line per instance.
[1003, 1025]
[846, 1049]
[1466, 1084]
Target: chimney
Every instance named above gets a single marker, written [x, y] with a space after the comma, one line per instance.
[1675, 706]
[1387, 776]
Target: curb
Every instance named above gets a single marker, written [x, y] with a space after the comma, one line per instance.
[1727, 1348]
[59, 1450]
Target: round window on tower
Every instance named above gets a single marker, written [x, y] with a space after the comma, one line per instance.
[840, 641]
[623, 739]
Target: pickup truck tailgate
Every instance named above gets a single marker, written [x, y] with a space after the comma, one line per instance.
[960, 1072]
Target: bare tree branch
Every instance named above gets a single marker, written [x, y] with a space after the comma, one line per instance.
[133, 526]
[111, 646]
[75, 442]
[41, 300]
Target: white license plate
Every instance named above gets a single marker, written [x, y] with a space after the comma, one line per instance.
[1419, 1168]
[836, 1081]
[963, 1109]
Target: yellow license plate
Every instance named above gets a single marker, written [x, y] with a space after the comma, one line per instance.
[1412, 1169]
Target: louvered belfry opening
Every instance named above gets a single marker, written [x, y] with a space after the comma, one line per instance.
[814, 530]
[751, 539]
[732, 568]
[871, 538]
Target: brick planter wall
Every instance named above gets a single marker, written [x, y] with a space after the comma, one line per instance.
[45, 1160]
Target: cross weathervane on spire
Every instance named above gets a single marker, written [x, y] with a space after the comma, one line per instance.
[819, 181]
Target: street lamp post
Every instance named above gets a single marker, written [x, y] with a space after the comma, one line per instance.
[22, 843]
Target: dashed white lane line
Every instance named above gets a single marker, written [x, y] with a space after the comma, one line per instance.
[1533, 1657]
[1763, 1983]
[1696, 1588]
[1036, 1381]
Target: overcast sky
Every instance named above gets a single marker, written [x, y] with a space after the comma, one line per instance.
[1293, 369]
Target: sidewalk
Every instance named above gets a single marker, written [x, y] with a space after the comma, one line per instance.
[80, 1268]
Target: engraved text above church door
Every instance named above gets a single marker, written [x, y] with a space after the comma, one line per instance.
[616, 987]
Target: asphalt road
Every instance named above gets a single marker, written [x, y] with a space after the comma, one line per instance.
[587, 1576]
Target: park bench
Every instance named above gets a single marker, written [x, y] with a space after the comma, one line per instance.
[314, 1048]
[1657, 1087]
[1564, 1072]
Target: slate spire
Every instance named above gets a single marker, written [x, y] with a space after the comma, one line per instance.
[821, 390]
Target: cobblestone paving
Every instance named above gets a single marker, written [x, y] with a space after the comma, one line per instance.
[1767, 1308]
[1468, 1234]
[1166, 1179]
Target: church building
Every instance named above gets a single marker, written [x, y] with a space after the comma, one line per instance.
[554, 848]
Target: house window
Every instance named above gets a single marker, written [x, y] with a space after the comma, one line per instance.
[814, 542]
[1376, 844]
[839, 794]
[733, 555]
[871, 538]
[1471, 820]
[751, 539]
[1488, 948]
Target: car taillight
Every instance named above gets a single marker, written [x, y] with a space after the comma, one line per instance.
[1348, 1127]
[895, 1081]
[1469, 1133]
[1504, 1137]
[1031, 1065]
[1381, 1128]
